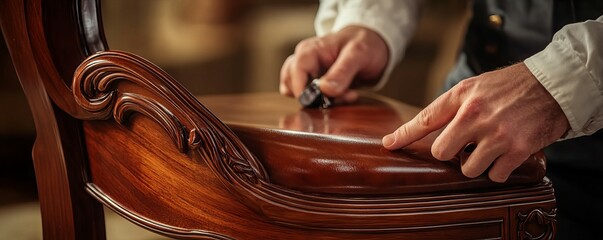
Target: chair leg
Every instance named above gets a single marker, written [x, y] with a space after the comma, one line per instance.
[68, 211]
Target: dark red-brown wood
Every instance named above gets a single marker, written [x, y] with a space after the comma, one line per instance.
[342, 146]
[114, 129]
[68, 211]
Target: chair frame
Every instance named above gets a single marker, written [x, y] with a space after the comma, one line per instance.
[83, 96]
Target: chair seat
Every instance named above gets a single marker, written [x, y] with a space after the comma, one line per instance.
[339, 151]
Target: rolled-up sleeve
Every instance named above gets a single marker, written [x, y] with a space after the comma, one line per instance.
[394, 20]
[571, 69]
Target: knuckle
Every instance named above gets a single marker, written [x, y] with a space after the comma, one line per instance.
[358, 46]
[305, 48]
[520, 150]
[401, 132]
[307, 43]
[472, 109]
[462, 87]
[425, 118]
[502, 136]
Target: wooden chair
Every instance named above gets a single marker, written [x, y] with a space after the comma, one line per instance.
[115, 130]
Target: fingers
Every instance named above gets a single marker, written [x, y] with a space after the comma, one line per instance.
[485, 153]
[505, 165]
[310, 55]
[354, 53]
[301, 72]
[456, 135]
[432, 118]
[338, 78]
[501, 161]
[450, 142]
[285, 79]
[348, 97]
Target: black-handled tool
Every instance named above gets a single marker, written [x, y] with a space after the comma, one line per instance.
[312, 97]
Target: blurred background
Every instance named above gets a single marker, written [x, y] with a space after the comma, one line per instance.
[211, 47]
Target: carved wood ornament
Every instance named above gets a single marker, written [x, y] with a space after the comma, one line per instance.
[110, 84]
[95, 88]
[537, 217]
[167, 163]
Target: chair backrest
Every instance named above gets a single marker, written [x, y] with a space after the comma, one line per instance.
[115, 130]
[47, 41]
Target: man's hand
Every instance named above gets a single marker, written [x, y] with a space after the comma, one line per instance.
[352, 54]
[507, 113]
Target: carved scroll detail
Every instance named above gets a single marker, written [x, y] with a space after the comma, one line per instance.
[102, 86]
[541, 218]
[117, 84]
[129, 103]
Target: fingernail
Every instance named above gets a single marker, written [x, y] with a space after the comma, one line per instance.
[329, 84]
[388, 140]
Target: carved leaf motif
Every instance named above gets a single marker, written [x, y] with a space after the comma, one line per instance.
[117, 84]
[130, 103]
[102, 86]
[541, 218]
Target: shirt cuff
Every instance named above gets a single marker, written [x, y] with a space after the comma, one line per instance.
[566, 78]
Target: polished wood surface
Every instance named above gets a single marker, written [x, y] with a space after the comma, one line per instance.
[342, 146]
[68, 211]
[152, 112]
[114, 129]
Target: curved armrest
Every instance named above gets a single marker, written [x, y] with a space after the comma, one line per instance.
[339, 151]
[313, 169]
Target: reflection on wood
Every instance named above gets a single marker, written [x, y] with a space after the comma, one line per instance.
[114, 129]
[344, 143]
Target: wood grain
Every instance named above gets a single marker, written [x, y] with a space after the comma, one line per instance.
[114, 129]
[222, 173]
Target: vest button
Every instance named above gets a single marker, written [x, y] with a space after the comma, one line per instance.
[491, 48]
[495, 21]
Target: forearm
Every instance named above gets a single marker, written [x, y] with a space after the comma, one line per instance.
[571, 69]
[393, 20]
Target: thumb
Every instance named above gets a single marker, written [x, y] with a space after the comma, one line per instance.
[338, 78]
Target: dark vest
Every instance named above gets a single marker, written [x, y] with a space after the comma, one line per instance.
[503, 32]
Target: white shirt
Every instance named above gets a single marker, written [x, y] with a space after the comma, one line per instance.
[570, 67]
[394, 20]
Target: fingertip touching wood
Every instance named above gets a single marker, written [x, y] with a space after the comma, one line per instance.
[115, 129]
[120, 85]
